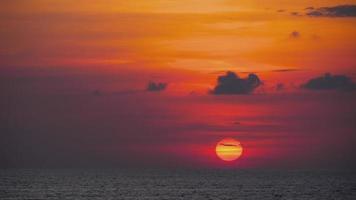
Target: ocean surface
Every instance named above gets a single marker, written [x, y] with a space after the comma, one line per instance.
[176, 184]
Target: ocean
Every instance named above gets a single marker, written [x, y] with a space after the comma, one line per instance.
[172, 184]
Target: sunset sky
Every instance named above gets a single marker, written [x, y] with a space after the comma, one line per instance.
[74, 81]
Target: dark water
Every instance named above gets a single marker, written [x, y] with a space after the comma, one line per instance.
[176, 184]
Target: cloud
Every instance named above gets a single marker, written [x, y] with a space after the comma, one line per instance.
[231, 83]
[285, 70]
[330, 82]
[229, 145]
[334, 11]
[294, 34]
[156, 86]
[295, 13]
[280, 87]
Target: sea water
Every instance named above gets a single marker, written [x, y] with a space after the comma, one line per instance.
[175, 184]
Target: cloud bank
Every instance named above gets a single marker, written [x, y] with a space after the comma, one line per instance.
[330, 82]
[231, 83]
[334, 11]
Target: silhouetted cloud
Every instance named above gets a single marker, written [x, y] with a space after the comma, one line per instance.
[280, 87]
[295, 13]
[330, 82]
[284, 70]
[229, 145]
[231, 83]
[334, 11]
[156, 86]
[294, 34]
[281, 10]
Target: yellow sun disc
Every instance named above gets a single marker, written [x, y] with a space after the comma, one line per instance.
[228, 149]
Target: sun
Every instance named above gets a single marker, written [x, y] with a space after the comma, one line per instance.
[228, 149]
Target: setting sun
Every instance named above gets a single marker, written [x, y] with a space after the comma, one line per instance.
[228, 149]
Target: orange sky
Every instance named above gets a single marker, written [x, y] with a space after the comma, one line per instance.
[201, 36]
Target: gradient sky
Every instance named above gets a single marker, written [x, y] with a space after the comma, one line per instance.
[73, 77]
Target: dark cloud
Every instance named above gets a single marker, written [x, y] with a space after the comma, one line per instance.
[294, 34]
[231, 83]
[285, 70]
[330, 82]
[281, 10]
[309, 8]
[334, 11]
[295, 13]
[156, 86]
[229, 145]
[280, 87]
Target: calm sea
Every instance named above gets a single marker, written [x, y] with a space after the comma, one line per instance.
[176, 184]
